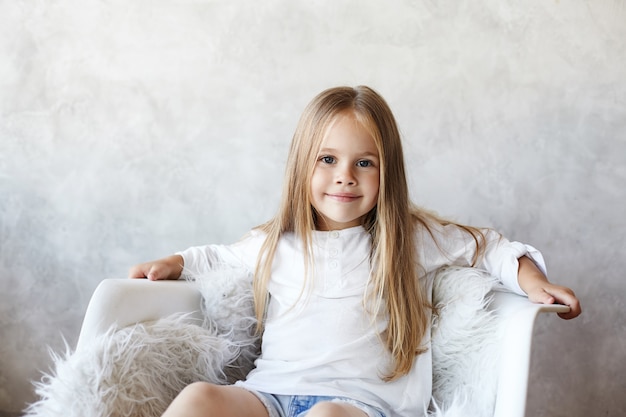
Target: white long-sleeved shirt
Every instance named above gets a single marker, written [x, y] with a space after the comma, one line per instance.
[323, 341]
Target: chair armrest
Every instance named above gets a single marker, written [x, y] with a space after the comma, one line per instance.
[128, 301]
[519, 315]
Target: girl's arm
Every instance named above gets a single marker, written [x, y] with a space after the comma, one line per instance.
[199, 260]
[166, 268]
[539, 290]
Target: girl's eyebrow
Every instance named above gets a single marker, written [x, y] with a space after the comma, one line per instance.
[361, 154]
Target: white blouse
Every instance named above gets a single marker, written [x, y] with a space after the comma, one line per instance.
[323, 341]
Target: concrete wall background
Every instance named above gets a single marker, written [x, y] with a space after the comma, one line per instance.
[129, 130]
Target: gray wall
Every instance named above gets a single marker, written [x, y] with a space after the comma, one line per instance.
[131, 129]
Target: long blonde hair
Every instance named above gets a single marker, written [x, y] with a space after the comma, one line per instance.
[391, 224]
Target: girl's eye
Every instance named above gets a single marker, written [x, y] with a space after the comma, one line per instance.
[327, 159]
[364, 163]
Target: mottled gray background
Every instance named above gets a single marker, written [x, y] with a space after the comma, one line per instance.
[131, 129]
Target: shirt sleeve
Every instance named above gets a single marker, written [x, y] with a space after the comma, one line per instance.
[452, 245]
[199, 260]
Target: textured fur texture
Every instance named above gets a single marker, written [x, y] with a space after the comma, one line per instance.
[138, 370]
[465, 337]
[135, 371]
[228, 307]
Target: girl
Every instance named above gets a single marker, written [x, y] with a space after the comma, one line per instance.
[341, 288]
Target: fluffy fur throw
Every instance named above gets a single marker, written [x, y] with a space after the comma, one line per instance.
[138, 370]
[465, 351]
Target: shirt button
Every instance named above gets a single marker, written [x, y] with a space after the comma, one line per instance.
[334, 234]
[334, 265]
[333, 252]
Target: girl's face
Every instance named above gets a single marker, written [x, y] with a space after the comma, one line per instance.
[346, 177]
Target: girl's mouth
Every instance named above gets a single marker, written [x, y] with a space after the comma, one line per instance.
[343, 197]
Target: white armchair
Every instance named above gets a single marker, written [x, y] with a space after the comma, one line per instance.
[128, 301]
[136, 349]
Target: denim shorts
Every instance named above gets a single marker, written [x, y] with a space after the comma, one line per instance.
[299, 405]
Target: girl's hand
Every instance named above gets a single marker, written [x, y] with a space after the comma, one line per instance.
[166, 268]
[540, 290]
[547, 293]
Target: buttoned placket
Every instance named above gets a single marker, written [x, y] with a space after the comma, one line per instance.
[334, 246]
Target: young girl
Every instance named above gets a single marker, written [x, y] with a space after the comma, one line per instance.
[341, 288]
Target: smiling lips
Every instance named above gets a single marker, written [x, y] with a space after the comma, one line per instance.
[344, 197]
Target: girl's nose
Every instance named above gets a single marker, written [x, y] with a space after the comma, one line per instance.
[345, 176]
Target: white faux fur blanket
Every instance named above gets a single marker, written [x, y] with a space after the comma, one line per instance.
[138, 370]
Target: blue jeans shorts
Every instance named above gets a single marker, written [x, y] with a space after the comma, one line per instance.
[299, 405]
